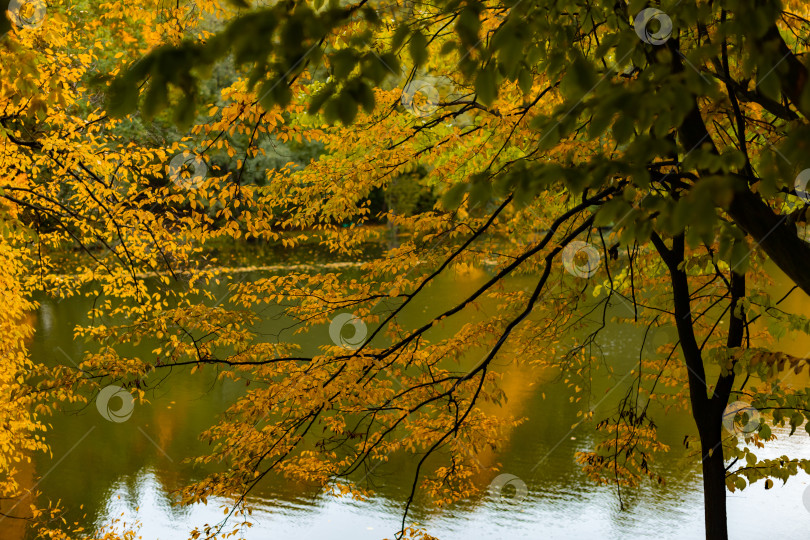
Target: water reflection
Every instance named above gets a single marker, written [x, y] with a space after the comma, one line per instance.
[128, 470]
[553, 510]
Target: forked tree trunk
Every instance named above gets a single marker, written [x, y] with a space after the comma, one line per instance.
[707, 411]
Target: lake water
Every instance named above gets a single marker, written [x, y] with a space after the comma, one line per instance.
[127, 470]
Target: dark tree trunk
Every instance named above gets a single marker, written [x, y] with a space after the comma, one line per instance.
[707, 411]
[711, 432]
[774, 236]
[714, 483]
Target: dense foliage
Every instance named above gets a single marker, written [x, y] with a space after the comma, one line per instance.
[667, 144]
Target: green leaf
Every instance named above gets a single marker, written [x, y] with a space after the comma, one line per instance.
[122, 97]
[274, 92]
[579, 79]
[480, 192]
[738, 260]
[551, 136]
[452, 198]
[486, 86]
[418, 48]
[623, 129]
[525, 80]
[154, 101]
[399, 36]
[468, 25]
[330, 110]
[184, 113]
[804, 98]
[317, 101]
[764, 431]
[346, 108]
[377, 67]
[342, 63]
[448, 47]
[600, 121]
[5, 23]
[370, 15]
[362, 94]
[510, 49]
[768, 84]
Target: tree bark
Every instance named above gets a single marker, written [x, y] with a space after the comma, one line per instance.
[773, 234]
[707, 412]
[714, 480]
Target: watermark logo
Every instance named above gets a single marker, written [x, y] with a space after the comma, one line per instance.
[117, 415]
[352, 342]
[516, 492]
[27, 14]
[420, 98]
[746, 412]
[572, 250]
[187, 170]
[806, 498]
[642, 26]
[800, 185]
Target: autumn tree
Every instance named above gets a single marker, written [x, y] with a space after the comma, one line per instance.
[664, 143]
